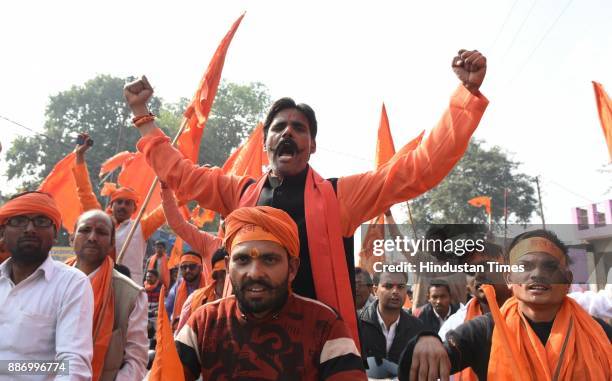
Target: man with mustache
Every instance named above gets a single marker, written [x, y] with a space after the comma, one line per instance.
[192, 278]
[385, 327]
[327, 212]
[123, 204]
[46, 307]
[265, 331]
[120, 305]
[539, 333]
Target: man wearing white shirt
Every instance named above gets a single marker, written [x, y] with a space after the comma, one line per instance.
[47, 307]
[120, 308]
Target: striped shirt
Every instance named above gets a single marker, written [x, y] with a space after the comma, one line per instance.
[305, 340]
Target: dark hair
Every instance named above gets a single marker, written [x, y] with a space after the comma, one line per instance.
[439, 283]
[160, 242]
[547, 234]
[360, 271]
[377, 275]
[219, 255]
[154, 272]
[123, 270]
[288, 103]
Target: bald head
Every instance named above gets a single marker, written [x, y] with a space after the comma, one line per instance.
[95, 212]
[93, 239]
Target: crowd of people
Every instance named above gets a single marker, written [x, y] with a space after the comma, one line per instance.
[276, 294]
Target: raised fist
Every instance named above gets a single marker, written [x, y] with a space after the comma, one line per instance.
[470, 67]
[137, 94]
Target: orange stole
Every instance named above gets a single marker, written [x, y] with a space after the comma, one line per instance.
[473, 311]
[164, 272]
[577, 348]
[329, 268]
[181, 296]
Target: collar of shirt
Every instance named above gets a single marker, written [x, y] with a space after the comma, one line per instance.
[46, 268]
[390, 333]
[442, 320]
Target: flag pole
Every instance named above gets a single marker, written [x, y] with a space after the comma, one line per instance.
[537, 181]
[505, 216]
[411, 221]
[147, 199]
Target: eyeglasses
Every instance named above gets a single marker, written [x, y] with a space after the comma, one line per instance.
[23, 221]
[191, 266]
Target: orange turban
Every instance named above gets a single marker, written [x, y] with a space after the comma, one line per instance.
[261, 223]
[32, 203]
[110, 189]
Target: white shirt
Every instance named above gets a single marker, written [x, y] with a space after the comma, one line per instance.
[390, 333]
[440, 318]
[133, 258]
[455, 320]
[136, 355]
[47, 316]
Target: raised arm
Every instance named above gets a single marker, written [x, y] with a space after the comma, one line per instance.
[87, 198]
[152, 221]
[210, 187]
[414, 172]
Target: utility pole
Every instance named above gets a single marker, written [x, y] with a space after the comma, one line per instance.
[537, 180]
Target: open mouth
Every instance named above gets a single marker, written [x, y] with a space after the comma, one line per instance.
[538, 287]
[286, 149]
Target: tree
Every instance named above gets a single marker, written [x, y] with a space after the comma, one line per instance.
[481, 172]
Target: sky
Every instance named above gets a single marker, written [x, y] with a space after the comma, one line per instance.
[344, 59]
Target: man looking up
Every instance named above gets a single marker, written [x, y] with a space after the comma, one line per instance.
[265, 331]
[120, 305]
[290, 131]
[47, 307]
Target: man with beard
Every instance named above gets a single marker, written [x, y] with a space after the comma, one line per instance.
[385, 327]
[159, 262]
[539, 333]
[120, 305]
[123, 204]
[47, 307]
[192, 278]
[265, 331]
[210, 293]
[290, 129]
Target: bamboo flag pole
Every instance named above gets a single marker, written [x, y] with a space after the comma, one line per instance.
[411, 221]
[147, 199]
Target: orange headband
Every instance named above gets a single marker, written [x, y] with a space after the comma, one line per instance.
[536, 245]
[32, 203]
[219, 266]
[191, 258]
[254, 233]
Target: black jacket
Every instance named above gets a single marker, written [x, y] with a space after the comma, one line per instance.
[373, 342]
[429, 318]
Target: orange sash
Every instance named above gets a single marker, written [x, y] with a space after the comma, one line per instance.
[164, 273]
[329, 268]
[181, 297]
[473, 311]
[577, 348]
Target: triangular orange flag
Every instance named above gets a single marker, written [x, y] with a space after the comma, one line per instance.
[175, 254]
[604, 108]
[112, 163]
[199, 108]
[481, 201]
[61, 185]
[249, 158]
[385, 149]
[167, 364]
[137, 175]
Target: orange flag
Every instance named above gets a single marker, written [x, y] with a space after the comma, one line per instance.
[137, 175]
[604, 108]
[167, 364]
[385, 149]
[112, 163]
[481, 201]
[61, 185]
[376, 230]
[199, 108]
[249, 158]
[175, 254]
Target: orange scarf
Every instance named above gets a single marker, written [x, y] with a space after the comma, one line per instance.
[577, 348]
[164, 273]
[104, 312]
[473, 311]
[151, 287]
[207, 294]
[181, 296]
[327, 256]
[4, 255]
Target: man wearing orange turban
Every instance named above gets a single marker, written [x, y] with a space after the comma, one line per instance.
[539, 334]
[47, 307]
[265, 331]
[326, 211]
[120, 305]
[123, 204]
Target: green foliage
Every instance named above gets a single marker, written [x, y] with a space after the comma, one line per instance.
[481, 172]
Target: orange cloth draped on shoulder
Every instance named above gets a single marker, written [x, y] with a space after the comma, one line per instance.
[577, 348]
[167, 364]
[181, 292]
[473, 311]
[207, 293]
[104, 312]
[32, 203]
[164, 272]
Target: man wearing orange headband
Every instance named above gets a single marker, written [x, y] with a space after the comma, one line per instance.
[210, 293]
[191, 279]
[265, 331]
[327, 211]
[46, 307]
[123, 204]
[539, 333]
[120, 305]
